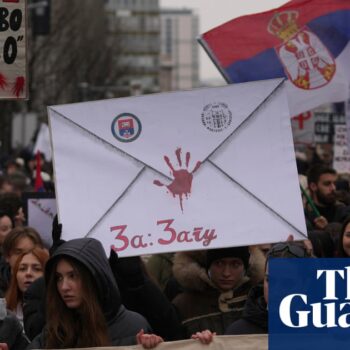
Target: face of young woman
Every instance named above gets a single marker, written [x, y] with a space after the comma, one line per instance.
[29, 270]
[346, 240]
[69, 284]
[23, 244]
[226, 273]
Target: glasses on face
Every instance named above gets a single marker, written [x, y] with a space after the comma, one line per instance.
[285, 250]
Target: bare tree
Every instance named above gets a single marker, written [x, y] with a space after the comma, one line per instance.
[65, 65]
[76, 53]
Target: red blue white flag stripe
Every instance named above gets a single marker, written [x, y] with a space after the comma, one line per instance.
[305, 41]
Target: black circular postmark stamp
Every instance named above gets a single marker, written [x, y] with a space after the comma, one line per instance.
[216, 116]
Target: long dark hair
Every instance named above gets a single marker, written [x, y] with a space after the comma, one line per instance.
[341, 251]
[70, 328]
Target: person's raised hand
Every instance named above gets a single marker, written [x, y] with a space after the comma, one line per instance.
[320, 222]
[3, 346]
[205, 337]
[56, 235]
[148, 341]
[56, 229]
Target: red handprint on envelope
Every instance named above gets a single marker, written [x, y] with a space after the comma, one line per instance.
[182, 183]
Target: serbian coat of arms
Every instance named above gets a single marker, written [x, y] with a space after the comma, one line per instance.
[306, 60]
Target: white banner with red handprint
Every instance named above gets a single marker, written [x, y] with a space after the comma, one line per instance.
[227, 342]
[178, 171]
[13, 68]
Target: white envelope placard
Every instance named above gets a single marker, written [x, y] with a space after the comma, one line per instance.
[178, 171]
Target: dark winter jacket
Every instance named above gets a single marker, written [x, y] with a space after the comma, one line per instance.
[123, 325]
[11, 332]
[254, 318]
[160, 267]
[202, 306]
[5, 276]
[336, 212]
[140, 294]
[34, 308]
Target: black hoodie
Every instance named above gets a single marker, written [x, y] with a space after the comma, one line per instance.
[123, 325]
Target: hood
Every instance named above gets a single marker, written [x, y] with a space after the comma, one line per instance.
[257, 260]
[189, 269]
[90, 253]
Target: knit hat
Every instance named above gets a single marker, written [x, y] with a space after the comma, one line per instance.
[234, 252]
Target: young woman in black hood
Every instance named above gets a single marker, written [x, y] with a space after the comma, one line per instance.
[83, 302]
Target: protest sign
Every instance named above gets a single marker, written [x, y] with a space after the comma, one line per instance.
[241, 342]
[306, 42]
[189, 170]
[325, 123]
[13, 77]
[341, 157]
[316, 127]
[303, 126]
[40, 209]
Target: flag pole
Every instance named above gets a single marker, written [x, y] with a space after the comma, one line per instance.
[310, 202]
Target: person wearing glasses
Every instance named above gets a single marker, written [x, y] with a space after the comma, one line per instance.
[254, 319]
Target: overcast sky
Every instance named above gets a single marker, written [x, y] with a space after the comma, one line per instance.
[215, 12]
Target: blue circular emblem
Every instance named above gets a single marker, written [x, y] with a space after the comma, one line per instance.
[126, 127]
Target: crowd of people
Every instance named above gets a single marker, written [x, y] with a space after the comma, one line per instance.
[72, 295]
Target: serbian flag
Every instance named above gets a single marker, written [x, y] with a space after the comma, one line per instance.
[305, 41]
[39, 183]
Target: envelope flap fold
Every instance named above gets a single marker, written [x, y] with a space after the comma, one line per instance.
[215, 114]
[83, 180]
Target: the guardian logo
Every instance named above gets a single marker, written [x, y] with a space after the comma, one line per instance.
[324, 309]
[309, 303]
